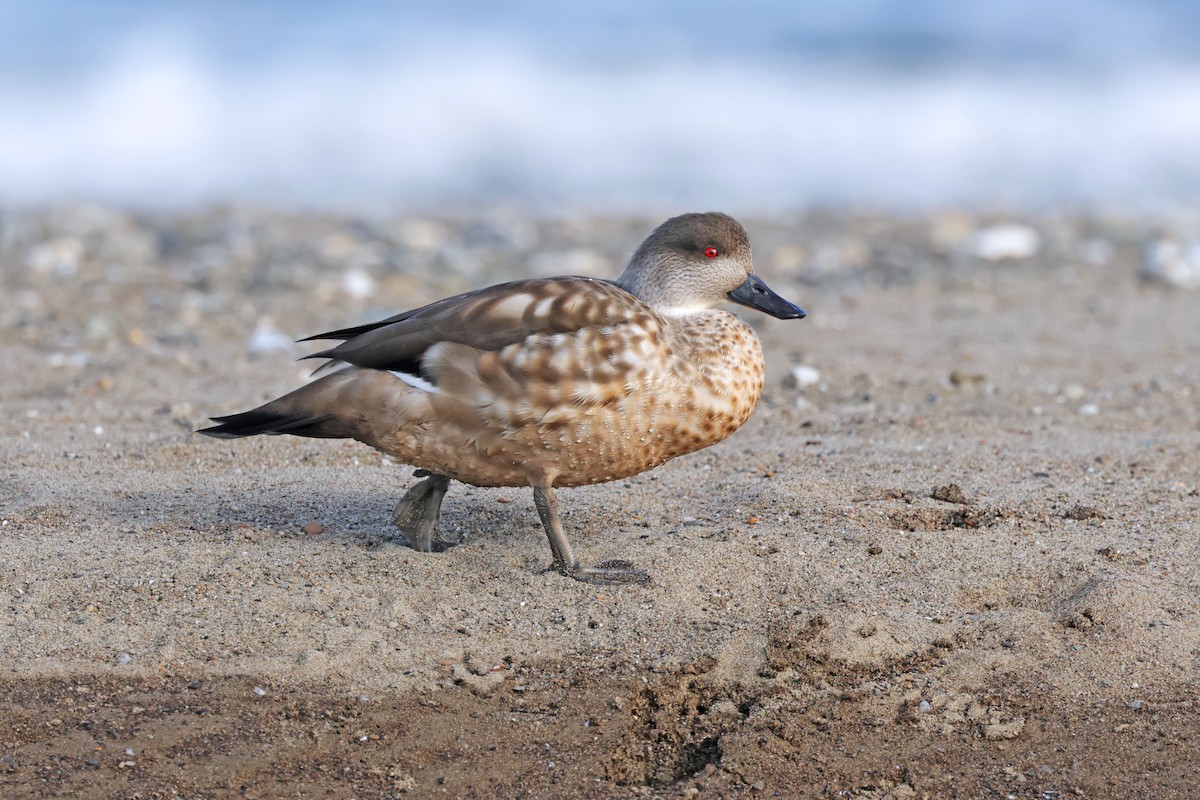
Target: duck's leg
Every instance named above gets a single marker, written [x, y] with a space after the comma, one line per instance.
[417, 514]
[564, 557]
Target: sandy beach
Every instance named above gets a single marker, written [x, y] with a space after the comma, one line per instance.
[954, 553]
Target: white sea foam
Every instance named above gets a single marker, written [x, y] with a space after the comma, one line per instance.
[480, 122]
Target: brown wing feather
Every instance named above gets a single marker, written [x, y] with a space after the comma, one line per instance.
[489, 320]
[549, 379]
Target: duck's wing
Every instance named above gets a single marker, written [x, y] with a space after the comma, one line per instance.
[495, 360]
[486, 320]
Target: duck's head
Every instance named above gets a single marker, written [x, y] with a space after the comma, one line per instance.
[694, 262]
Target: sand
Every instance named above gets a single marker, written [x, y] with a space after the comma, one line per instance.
[958, 557]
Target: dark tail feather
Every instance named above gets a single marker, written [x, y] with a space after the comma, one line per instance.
[267, 419]
[318, 409]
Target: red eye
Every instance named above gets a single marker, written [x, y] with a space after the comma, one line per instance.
[711, 252]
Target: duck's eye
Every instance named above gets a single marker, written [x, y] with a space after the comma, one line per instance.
[711, 252]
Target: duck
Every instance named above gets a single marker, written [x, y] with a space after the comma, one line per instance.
[547, 382]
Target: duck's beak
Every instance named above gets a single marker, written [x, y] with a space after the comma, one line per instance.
[756, 294]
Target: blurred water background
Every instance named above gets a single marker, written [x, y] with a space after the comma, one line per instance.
[756, 106]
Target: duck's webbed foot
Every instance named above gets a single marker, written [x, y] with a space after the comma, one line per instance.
[606, 572]
[417, 514]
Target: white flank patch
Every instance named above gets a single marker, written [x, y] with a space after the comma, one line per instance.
[415, 381]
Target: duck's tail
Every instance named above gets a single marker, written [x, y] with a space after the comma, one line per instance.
[313, 410]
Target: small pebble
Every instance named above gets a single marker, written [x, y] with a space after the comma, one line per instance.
[950, 493]
[1173, 263]
[266, 339]
[1081, 512]
[1073, 391]
[77, 359]
[1089, 409]
[1006, 242]
[358, 284]
[804, 376]
[260, 691]
[959, 378]
[313, 528]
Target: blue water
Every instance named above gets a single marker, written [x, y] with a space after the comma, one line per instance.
[755, 106]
